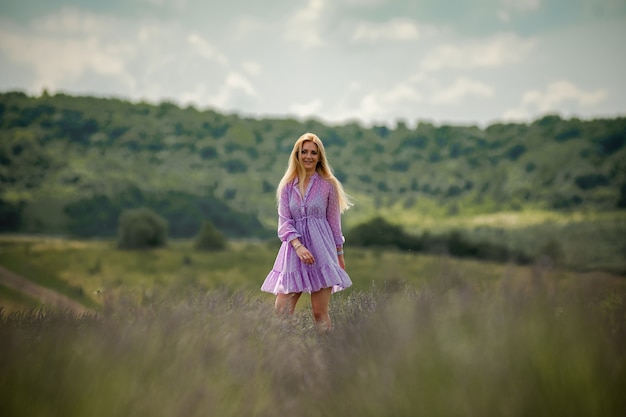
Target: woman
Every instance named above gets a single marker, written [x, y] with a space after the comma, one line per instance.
[310, 259]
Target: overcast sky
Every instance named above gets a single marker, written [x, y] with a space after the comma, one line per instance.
[374, 61]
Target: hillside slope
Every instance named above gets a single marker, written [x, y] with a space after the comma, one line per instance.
[65, 161]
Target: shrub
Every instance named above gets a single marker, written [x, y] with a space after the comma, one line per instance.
[590, 181]
[10, 216]
[610, 144]
[621, 203]
[210, 238]
[567, 134]
[141, 228]
[235, 166]
[379, 233]
[563, 202]
[460, 246]
[515, 152]
[400, 166]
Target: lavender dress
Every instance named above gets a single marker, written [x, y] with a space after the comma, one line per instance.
[316, 220]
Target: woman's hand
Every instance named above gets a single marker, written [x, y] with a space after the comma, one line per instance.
[340, 259]
[305, 256]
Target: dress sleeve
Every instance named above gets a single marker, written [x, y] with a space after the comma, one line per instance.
[286, 225]
[333, 215]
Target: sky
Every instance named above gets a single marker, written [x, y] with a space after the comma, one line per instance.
[468, 62]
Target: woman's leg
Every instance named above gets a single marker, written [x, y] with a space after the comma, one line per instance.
[286, 303]
[320, 301]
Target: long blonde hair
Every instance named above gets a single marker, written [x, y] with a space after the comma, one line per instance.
[296, 170]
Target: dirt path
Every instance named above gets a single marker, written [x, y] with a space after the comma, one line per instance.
[47, 296]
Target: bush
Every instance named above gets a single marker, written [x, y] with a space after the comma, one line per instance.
[210, 238]
[141, 228]
[621, 203]
[379, 233]
[515, 152]
[459, 246]
[10, 216]
[610, 144]
[591, 181]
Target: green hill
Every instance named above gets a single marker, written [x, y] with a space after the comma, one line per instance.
[69, 165]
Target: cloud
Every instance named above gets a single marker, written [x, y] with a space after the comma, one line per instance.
[73, 22]
[198, 95]
[403, 92]
[494, 52]
[246, 26]
[393, 30]
[308, 109]
[517, 6]
[252, 68]
[146, 59]
[203, 48]
[386, 105]
[521, 5]
[462, 87]
[557, 96]
[559, 92]
[360, 3]
[236, 88]
[415, 95]
[65, 46]
[176, 4]
[365, 59]
[235, 81]
[303, 27]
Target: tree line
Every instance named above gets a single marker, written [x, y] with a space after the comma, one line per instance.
[73, 164]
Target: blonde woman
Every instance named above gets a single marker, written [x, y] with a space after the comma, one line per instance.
[311, 258]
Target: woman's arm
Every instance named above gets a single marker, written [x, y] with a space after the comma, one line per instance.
[333, 216]
[286, 225]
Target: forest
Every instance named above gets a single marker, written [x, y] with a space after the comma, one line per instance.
[70, 165]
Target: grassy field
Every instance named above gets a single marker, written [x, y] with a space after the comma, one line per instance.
[187, 333]
[92, 272]
[513, 348]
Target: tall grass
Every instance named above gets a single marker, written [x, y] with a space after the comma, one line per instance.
[449, 347]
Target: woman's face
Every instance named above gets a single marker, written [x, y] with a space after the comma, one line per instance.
[309, 156]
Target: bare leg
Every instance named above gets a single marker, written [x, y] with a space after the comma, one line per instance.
[319, 303]
[286, 303]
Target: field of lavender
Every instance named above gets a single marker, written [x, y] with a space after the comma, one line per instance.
[462, 338]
